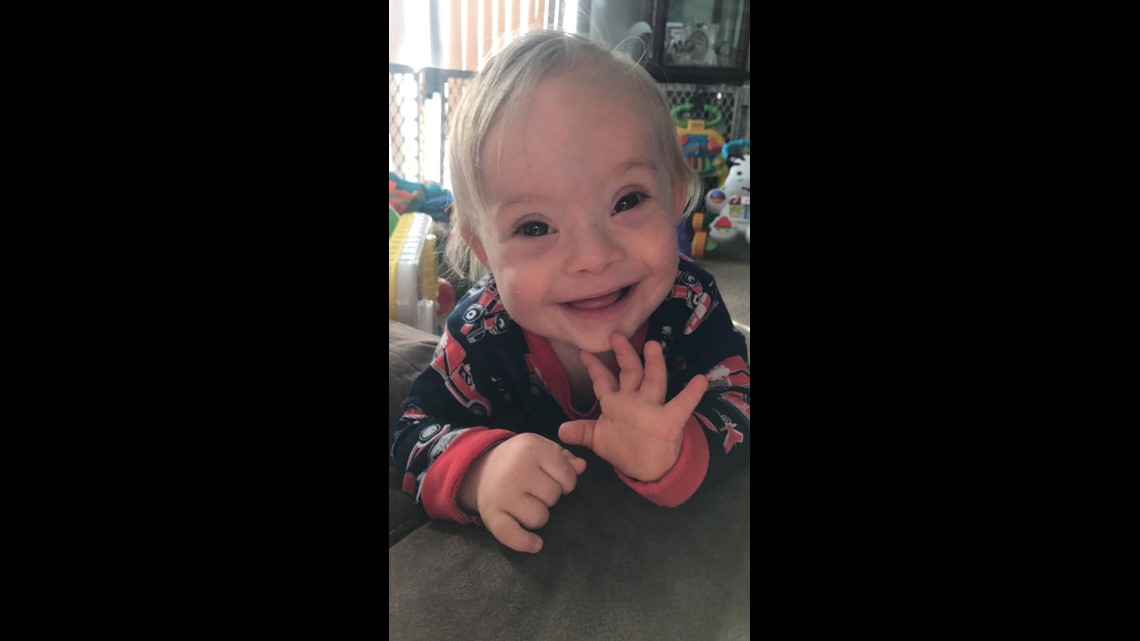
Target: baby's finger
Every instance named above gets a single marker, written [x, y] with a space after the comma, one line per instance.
[629, 363]
[546, 490]
[507, 531]
[560, 469]
[655, 383]
[681, 407]
[530, 512]
[577, 462]
[603, 379]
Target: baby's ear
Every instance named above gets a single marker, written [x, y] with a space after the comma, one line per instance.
[476, 247]
[679, 200]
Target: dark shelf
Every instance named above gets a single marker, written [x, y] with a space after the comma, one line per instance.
[699, 75]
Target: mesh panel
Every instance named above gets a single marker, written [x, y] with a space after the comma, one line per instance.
[745, 113]
[452, 92]
[403, 129]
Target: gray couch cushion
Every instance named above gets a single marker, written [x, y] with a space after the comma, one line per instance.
[613, 566]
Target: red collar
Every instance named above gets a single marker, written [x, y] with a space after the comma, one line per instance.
[545, 364]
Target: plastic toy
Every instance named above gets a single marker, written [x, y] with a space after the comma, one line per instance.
[406, 196]
[700, 144]
[730, 204]
[727, 210]
[732, 146]
[414, 286]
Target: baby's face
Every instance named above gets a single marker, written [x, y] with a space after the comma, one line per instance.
[581, 240]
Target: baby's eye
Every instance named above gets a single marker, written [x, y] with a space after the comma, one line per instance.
[533, 229]
[630, 201]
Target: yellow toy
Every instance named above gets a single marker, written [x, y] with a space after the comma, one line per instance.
[413, 282]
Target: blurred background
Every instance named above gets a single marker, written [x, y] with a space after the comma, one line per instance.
[698, 49]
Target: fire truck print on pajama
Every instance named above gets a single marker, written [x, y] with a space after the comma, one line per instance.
[433, 435]
[457, 377]
[486, 316]
[689, 289]
[732, 404]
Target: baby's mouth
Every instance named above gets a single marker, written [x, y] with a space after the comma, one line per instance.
[600, 302]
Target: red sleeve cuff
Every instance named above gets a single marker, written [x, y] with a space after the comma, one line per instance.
[439, 491]
[682, 481]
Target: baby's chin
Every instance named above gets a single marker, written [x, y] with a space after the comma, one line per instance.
[599, 344]
[596, 347]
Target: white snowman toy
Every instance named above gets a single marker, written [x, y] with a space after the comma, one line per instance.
[731, 203]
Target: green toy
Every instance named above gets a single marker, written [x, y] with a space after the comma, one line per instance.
[701, 144]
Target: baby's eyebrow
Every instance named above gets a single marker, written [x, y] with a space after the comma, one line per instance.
[630, 165]
[527, 198]
[517, 200]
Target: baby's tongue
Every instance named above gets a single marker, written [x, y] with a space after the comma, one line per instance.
[597, 303]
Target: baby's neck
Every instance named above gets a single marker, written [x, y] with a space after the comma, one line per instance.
[568, 355]
[581, 387]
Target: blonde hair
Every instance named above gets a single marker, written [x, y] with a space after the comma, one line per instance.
[497, 90]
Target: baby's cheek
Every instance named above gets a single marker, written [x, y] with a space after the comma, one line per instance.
[517, 292]
[662, 284]
[666, 252]
[665, 267]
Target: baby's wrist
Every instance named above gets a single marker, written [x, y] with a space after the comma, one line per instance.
[654, 473]
[468, 495]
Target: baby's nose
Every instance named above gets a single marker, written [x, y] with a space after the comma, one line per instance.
[594, 250]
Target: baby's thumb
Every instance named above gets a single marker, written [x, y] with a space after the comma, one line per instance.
[577, 433]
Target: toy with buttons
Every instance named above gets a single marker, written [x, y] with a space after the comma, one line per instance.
[728, 207]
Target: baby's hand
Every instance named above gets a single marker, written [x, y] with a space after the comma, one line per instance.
[514, 485]
[637, 432]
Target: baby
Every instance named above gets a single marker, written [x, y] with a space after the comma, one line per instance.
[590, 328]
